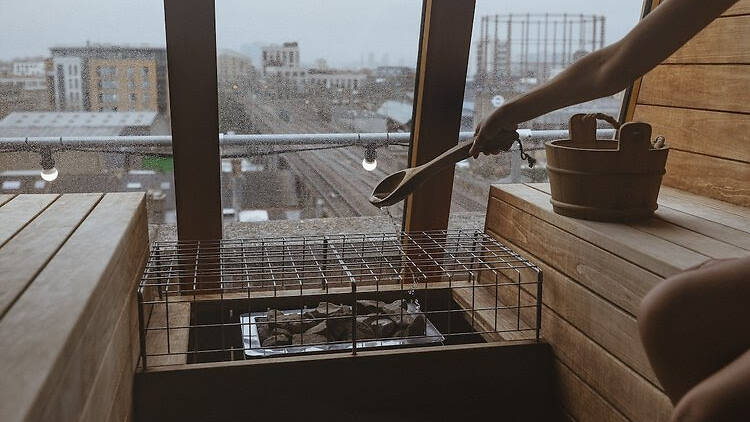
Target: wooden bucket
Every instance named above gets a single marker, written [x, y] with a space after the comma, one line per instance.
[605, 180]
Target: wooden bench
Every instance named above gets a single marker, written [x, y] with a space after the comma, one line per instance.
[69, 267]
[595, 275]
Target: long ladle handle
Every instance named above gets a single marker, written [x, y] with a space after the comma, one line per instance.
[458, 153]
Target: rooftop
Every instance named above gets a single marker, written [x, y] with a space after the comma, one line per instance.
[59, 123]
[396, 111]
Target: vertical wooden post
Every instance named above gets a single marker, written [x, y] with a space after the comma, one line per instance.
[444, 47]
[191, 60]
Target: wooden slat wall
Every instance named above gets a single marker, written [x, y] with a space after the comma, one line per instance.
[70, 331]
[595, 275]
[699, 100]
[588, 313]
[740, 8]
[25, 255]
[17, 212]
[4, 197]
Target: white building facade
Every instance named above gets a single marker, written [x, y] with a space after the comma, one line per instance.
[28, 68]
[283, 60]
[68, 83]
[335, 79]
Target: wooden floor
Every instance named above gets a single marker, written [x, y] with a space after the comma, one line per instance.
[69, 266]
[595, 275]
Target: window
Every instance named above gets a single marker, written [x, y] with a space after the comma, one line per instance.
[513, 53]
[329, 180]
[11, 185]
[131, 79]
[108, 84]
[89, 168]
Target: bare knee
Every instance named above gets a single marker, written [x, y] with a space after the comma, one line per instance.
[666, 305]
[705, 405]
[691, 408]
[662, 319]
[661, 309]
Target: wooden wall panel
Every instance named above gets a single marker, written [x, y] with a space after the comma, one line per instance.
[590, 322]
[115, 375]
[724, 32]
[713, 177]
[19, 211]
[57, 334]
[612, 328]
[704, 109]
[687, 233]
[656, 255]
[595, 276]
[722, 135]
[742, 7]
[29, 251]
[705, 87]
[629, 393]
[109, 299]
[626, 390]
[721, 212]
[580, 401]
[5, 197]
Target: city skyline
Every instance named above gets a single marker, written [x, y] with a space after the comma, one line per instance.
[390, 28]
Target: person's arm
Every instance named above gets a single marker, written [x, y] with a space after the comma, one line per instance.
[603, 72]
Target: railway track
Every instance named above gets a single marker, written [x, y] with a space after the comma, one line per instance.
[338, 205]
[345, 188]
[462, 201]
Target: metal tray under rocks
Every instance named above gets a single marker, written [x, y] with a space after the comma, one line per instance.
[253, 348]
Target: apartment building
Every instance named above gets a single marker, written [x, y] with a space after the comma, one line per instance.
[29, 67]
[122, 85]
[68, 83]
[334, 79]
[233, 68]
[283, 60]
[110, 78]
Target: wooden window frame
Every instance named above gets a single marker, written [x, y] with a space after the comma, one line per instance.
[442, 64]
[629, 100]
[193, 95]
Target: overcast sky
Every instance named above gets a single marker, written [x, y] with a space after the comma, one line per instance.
[345, 32]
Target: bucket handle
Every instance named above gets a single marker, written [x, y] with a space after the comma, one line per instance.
[635, 138]
[582, 127]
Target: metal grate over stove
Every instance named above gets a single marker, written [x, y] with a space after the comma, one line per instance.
[209, 301]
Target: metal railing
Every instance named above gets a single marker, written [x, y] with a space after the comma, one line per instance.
[354, 139]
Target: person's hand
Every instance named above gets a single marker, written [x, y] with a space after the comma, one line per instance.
[493, 135]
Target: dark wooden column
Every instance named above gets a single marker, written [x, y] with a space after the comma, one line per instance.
[444, 47]
[191, 61]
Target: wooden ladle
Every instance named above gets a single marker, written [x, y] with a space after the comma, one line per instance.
[398, 185]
